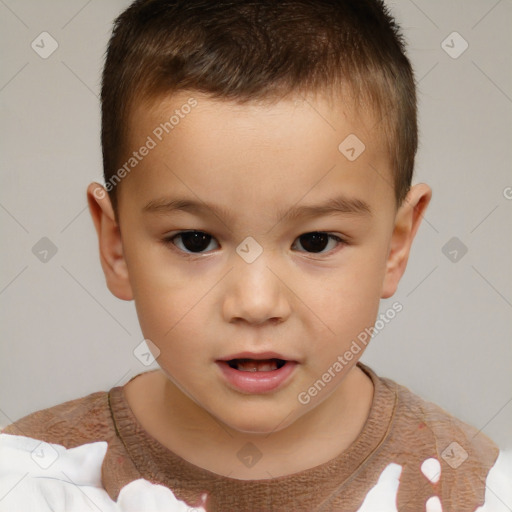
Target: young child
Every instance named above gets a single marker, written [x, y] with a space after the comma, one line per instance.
[258, 159]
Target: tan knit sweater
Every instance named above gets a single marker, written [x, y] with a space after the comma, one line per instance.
[401, 428]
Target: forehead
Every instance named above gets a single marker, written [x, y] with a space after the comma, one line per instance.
[315, 113]
[281, 150]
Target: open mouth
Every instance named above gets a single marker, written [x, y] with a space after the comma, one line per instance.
[256, 365]
[262, 374]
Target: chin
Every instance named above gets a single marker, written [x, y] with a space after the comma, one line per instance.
[259, 423]
[254, 429]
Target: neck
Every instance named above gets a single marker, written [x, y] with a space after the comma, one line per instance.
[195, 435]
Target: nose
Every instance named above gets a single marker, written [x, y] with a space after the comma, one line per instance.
[255, 293]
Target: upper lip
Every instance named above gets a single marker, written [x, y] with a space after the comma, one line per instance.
[259, 355]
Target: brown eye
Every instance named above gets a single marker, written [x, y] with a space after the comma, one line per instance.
[317, 241]
[192, 241]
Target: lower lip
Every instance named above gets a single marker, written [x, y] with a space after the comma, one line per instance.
[257, 382]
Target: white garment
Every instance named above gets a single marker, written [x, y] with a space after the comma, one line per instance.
[498, 485]
[41, 477]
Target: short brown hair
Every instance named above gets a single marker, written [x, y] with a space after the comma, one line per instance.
[248, 50]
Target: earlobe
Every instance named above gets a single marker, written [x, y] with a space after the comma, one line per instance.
[110, 243]
[407, 222]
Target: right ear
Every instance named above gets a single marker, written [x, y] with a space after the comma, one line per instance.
[110, 243]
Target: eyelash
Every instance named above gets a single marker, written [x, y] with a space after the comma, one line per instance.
[169, 240]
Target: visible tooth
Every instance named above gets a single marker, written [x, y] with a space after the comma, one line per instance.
[267, 367]
[257, 366]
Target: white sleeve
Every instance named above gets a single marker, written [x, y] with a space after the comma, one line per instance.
[498, 485]
[44, 477]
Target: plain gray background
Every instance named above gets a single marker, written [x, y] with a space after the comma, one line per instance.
[64, 335]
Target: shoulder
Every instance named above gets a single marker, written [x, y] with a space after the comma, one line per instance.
[79, 424]
[70, 424]
[455, 440]
[450, 459]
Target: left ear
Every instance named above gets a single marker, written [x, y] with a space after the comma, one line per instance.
[407, 221]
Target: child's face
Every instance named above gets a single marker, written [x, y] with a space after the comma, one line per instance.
[204, 299]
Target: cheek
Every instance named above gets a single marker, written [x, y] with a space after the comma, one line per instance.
[167, 313]
[163, 297]
[348, 300]
[161, 293]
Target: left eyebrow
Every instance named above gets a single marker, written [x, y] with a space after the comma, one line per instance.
[333, 206]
